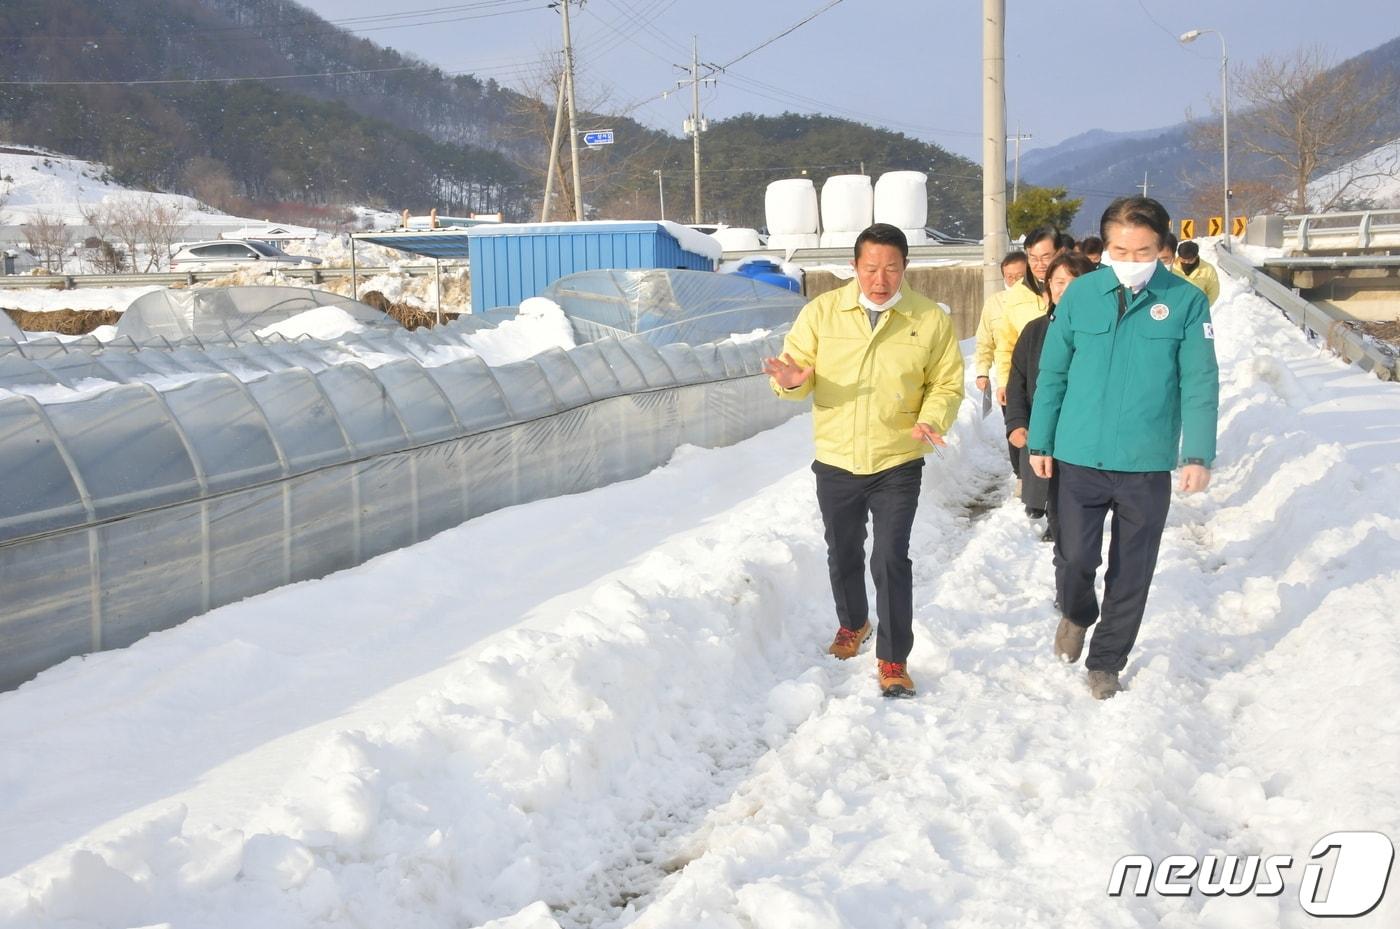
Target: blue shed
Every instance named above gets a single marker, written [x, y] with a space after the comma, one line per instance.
[512, 262]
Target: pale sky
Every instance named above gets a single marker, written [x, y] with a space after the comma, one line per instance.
[911, 65]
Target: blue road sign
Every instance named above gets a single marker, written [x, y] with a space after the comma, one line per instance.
[598, 137]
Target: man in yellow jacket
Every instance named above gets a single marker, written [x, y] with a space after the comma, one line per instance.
[1201, 273]
[882, 366]
[1013, 269]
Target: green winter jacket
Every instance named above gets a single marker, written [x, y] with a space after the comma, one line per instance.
[1130, 388]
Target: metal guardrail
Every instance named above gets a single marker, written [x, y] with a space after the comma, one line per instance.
[71, 281]
[1336, 262]
[1361, 229]
[804, 257]
[1313, 320]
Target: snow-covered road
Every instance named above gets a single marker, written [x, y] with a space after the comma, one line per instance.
[614, 709]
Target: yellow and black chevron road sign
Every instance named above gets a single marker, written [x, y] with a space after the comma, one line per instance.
[1188, 228]
[1215, 225]
[1238, 224]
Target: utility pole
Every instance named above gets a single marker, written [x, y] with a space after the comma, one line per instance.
[1144, 184]
[994, 238]
[1016, 182]
[573, 107]
[553, 153]
[696, 124]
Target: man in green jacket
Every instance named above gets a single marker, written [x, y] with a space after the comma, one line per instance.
[1128, 390]
[882, 366]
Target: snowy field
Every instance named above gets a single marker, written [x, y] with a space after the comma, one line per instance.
[614, 709]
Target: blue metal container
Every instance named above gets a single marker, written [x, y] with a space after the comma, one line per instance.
[769, 273]
[517, 262]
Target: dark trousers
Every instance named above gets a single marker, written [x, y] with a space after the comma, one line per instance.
[1138, 503]
[1013, 454]
[847, 501]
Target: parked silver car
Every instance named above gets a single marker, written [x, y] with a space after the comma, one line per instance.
[233, 254]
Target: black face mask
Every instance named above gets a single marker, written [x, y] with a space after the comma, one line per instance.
[1189, 266]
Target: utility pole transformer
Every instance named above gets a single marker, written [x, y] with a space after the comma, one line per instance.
[696, 124]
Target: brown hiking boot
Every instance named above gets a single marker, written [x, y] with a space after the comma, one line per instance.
[849, 641]
[1069, 640]
[895, 680]
[1103, 684]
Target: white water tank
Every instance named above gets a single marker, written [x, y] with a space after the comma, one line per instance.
[901, 199]
[790, 207]
[847, 203]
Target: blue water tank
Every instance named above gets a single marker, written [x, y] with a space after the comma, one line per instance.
[769, 273]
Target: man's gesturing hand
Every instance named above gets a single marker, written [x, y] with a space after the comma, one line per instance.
[786, 372]
[923, 432]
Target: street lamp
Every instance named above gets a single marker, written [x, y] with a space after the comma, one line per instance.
[1186, 38]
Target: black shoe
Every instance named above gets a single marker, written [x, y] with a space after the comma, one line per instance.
[1033, 513]
[1047, 535]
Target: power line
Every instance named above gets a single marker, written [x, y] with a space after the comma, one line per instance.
[788, 31]
[649, 26]
[621, 35]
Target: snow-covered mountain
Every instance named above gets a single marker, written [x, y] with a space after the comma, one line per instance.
[1377, 183]
[34, 182]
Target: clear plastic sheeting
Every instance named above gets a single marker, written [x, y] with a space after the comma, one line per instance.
[665, 306]
[9, 329]
[232, 312]
[75, 364]
[133, 508]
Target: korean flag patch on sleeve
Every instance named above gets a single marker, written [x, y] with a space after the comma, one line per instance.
[1209, 330]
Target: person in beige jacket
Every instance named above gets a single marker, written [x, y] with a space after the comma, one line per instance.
[882, 367]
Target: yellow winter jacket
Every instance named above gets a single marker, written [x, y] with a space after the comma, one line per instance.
[1019, 306]
[1203, 277]
[985, 344]
[868, 389]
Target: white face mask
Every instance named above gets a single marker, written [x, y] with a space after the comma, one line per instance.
[874, 307]
[1132, 274]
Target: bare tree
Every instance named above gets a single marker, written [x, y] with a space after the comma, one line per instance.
[1300, 116]
[49, 237]
[107, 258]
[165, 220]
[600, 171]
[146, 228]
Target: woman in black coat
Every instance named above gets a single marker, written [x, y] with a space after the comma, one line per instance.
[1020, 386]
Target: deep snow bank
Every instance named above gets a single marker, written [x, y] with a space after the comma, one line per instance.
[614, 710]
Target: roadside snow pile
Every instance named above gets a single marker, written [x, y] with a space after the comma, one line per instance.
[324, 322]
[540, 325]
[43, 300]
[613, 709]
